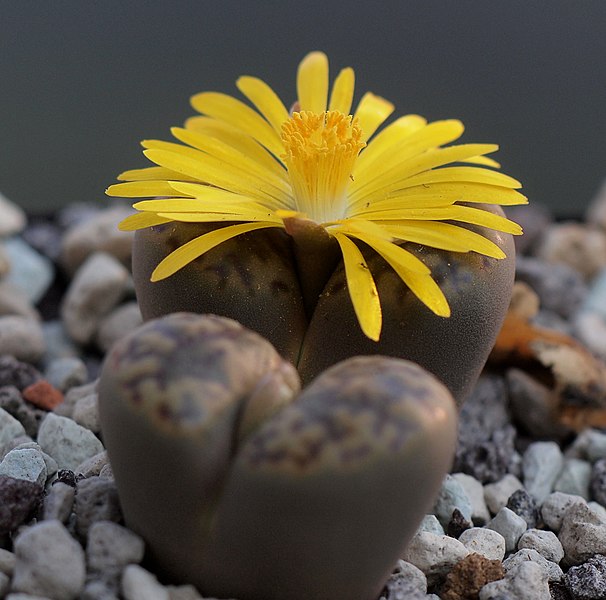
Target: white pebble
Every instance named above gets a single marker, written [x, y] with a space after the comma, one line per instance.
[58, 502]
[26, 463]
[22, 338]
[67, 442]
[541, 464]
[451, 496]
[546, 543]
[120, 322]
[583, 534]
[526, 581]
[49, 562]
[475, 492]
[434, 554]
[10, 428]
[574, 478]
[110, 547]
[487, 542]
[139, 584]
[95, 290]
[430, 523]
[554, 507]
[86, 413]
[496, 494]
[509, 525]
[554, 572]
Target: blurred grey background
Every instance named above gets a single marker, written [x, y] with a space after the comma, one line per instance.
[82, 82]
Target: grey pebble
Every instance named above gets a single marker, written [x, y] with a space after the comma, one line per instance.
[121, 321]
[431, 524]
[92, 466]
[523, 505]
[594, 301]
[139, 584]
[474, 490]
[546, 543]
[528, 580]
[14, 301]
[26, 463]
[590, 328]
[99, 590]
[26, 597]
[451, 495]
[86, 413]
[22, 338]
[30, 271]
[574, 478]
[58, 502]
[66, 372]
[598, 481]
[509, 525]
[7, 562]
[407, 581]
[66, 408]
[583, 534]
[590, 445]
[555, 506]
[111, 547]
[554, 572]
[4, 584]
[588, 581]
[10, 428]
[484, 541]
[541, 464]
[49, 562]
[58, 343]
[96, 500]
[96, 289]
[67, 442]
[27, 414]
[497, 494]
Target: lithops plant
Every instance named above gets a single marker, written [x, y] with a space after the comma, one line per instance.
[247, 488]
[323, 233]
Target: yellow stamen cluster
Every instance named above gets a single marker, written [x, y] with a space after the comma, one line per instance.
[320, 151]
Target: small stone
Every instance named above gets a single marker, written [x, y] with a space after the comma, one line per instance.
[22, 338]
[474, 490]
[43, 395]
[92, 466]
[67, 372]
[26, 597]
[17, 373]
[139, 584]
[451, 496]
[590, 445]
[541, 463]
[27, 464]
[49, 562]
[497, 494]
[574, 478]
[598, 481]
[12, 402]
[560, 287]
[12, 218]
[18, 499]
[555, 506]
[188, 592]
[588, 581]
[30, 271]
[7, 562]
[523, 505]
[483, 541]
[110, 547]
[73, 395]
[96, 500]
[526, 581]
[58, 343]
[59, 502]
[67, 442]
[598, 509]
[96, 289]
[509, 525]
[457, 524]
[407, 581]
[434, 554]
[10, 428]
[121, 321]
[45, 237]
[583, 534]
[97, 233]
[67, 477]
[431, 524]
[4, 584]
[559, 591]
[546, 543]
[554, 572]
[86, 413]
[14, 301]
[99, 590]
[469, 576]
[590, 328]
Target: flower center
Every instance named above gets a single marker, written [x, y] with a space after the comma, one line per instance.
[320, 151]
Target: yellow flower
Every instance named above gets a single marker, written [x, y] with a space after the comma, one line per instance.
[316, 169]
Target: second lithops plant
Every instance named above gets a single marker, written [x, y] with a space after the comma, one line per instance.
[325, 231]
[247, 488]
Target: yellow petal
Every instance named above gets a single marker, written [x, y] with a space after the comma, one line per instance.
[198, 246]
[150, 173]
[209, 170]
[140, 189]
[195, 205]
[420, 282]
[312, 82]
[362, 289]
[236, 139]
[444, 236]
[483, 160]
[236, 113]
[265, 99]
[220, 217]
[141, 221]
[463, 174]
[371, 113]
[342, 92]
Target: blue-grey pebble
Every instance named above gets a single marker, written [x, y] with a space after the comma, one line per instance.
[541, 463]
[25, 463]
[452, 495]
[65, 373]
[574, 477]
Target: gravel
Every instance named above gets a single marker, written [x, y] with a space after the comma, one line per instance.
[522, 514]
